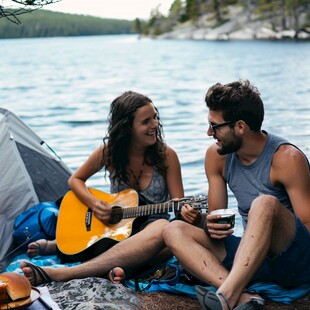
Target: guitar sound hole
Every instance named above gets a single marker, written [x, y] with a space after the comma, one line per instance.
[116, 216]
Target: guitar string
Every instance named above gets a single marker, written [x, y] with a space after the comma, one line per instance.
[155, 207]
[201, 205]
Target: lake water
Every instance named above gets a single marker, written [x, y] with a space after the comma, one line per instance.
[62, 89]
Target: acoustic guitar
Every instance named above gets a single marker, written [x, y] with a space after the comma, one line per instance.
[80, 235]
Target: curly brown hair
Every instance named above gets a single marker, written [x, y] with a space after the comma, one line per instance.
[121, 116]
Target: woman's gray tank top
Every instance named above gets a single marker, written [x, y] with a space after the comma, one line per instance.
[156, 192]
[248, 182]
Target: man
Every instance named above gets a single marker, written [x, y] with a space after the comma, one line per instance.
[271, 181]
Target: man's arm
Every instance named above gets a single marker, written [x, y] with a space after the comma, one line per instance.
[290, 168]
[214, 168]
[217, 194]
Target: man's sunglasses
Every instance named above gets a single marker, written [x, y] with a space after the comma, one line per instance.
[216, 126]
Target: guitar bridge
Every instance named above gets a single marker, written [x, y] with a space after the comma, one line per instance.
[88, 218]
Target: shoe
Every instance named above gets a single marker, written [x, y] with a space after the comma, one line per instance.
[38, 271]
[210, 300]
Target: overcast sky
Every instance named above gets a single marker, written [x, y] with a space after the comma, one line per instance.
[120, 9]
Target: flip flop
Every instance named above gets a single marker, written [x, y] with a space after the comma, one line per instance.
[210, 300]
[45, 278]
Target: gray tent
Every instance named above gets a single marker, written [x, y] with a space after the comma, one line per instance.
[30, 173]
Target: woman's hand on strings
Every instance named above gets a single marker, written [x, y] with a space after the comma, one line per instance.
[102, 211]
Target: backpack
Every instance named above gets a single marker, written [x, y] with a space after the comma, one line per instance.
[38, 222]
[169, 277]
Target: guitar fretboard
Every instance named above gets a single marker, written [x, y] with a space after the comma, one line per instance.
[148, 209]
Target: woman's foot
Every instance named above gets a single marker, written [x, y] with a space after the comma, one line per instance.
[41, 247]
[116, 275]
[35, 274]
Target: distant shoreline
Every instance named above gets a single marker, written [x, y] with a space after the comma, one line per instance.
[240, 35]
[237, 24]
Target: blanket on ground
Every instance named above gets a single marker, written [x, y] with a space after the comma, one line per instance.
[271, 291]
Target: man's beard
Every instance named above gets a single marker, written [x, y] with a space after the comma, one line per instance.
[231, 146]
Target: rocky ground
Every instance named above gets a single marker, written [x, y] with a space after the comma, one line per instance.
[163, 301]
[239, 26]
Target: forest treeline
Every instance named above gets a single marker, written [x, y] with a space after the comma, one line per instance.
[42, 23]
[284, 14]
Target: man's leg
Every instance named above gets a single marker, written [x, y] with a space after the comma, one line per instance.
[199, 254]
[270, 230]
[130, 253]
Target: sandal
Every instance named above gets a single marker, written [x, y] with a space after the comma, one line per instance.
[210, 300]
[38, 271]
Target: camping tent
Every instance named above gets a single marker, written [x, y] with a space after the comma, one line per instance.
[30, 173]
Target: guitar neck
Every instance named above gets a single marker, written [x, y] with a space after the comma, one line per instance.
[164, 207]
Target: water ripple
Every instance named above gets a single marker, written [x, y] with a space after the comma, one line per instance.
[63, 91]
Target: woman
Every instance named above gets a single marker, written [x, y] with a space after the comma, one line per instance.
[135, 156]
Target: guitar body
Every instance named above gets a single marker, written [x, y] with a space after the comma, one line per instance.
[78, 241]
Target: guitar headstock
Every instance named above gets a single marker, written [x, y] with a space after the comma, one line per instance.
[197, 202]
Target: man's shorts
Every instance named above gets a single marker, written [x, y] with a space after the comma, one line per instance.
[290, 268]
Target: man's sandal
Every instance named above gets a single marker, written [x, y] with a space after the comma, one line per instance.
[38, 271]
[211, 300]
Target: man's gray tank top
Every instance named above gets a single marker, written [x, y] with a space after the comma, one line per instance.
[156, 192]
[248, 182]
